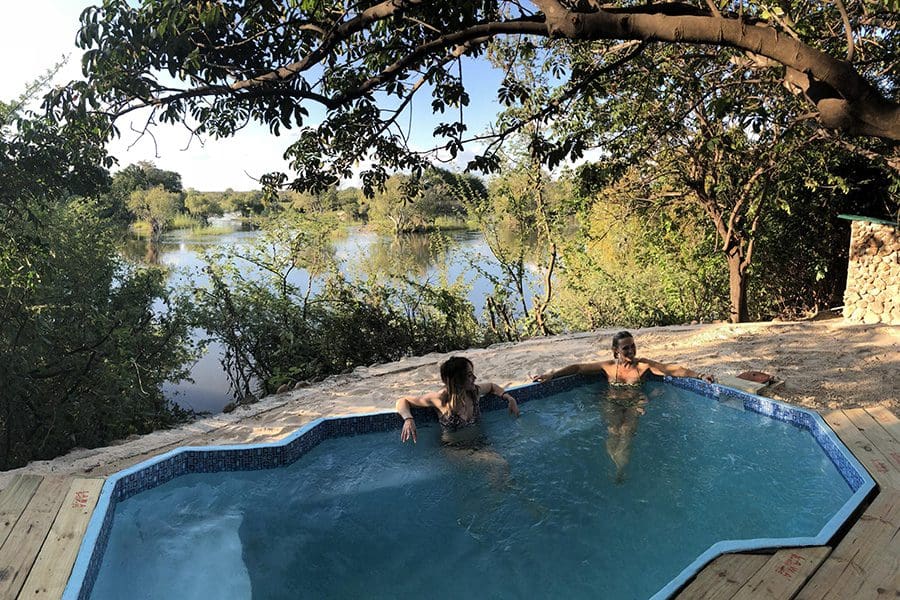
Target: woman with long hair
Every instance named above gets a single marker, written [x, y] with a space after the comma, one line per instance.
[457, 404]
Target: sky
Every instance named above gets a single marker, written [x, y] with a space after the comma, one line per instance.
[36, 34]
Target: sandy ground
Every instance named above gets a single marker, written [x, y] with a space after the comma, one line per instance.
[824, 365]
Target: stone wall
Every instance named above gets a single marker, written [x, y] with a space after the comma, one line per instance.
[873, 275]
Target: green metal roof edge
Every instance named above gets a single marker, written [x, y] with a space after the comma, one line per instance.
[871, 219]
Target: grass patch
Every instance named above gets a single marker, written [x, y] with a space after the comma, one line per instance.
[452, 224]
[141, 229]
[185, 221]
[211, 230]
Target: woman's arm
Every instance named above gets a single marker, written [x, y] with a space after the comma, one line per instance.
[659, 368]
[409, 423]
[493, 388]
[594, 368]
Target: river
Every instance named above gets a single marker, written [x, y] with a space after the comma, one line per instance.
[358, 252]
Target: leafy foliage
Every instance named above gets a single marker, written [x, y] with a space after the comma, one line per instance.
[416, 204]
[156, 206]
[219, 66]
[138, 177]
[685, 130]
[85, 351]
[276, 330]
[640, 265]
[802, 258]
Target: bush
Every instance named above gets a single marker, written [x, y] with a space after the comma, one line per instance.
[85, 354]
[639, 269]
[275, 332]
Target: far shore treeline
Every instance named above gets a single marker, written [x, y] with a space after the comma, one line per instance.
[623, 183]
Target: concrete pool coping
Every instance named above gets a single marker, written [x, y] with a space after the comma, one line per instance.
[158, 470]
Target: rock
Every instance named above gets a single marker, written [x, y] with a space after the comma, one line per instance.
[871, 318]
[284, 387]
[301, 385]
[229, 407]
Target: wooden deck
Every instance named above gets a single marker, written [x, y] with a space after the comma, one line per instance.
[42, 521]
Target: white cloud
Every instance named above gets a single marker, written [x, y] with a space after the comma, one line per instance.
[36, 34]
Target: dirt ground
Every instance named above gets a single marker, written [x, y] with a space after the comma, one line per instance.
[824, 364]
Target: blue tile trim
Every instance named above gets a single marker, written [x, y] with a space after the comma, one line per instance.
[211, 459]
[843, 461]
[858, 479]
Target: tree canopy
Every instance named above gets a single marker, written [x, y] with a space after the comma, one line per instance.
[219, 65]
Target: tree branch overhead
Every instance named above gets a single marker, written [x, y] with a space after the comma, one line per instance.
[350, 58]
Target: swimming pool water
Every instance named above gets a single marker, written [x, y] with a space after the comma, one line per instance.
[534, 510]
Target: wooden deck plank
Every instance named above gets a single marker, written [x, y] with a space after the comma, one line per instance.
[723, 577]
[885, 473]
[866, 563]
[887, 419]
[51, 570]
[877, 434]
[13, 501]
[783, 574]
[25, 540]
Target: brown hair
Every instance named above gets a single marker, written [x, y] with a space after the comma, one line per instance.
[453, 374]
[618, 338]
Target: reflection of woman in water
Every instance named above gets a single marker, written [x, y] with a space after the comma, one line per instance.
[622, 407]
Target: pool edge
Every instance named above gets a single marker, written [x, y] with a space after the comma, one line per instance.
[762, 405]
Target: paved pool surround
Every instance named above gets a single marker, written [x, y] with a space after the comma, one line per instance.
[248, 457]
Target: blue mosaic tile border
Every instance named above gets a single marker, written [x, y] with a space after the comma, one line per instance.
[166, 467]
[782, 412]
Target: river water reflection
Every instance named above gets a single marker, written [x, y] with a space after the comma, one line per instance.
[358, 251]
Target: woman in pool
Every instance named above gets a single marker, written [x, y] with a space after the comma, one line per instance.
[625, 368]
[457, 404]
[625, 401]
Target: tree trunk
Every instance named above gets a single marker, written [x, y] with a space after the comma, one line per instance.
[737, 286]
[156, 230]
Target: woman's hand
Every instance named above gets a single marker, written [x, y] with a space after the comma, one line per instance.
[543, 377]
[513, 405]
[409, 430]
[707, 377]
